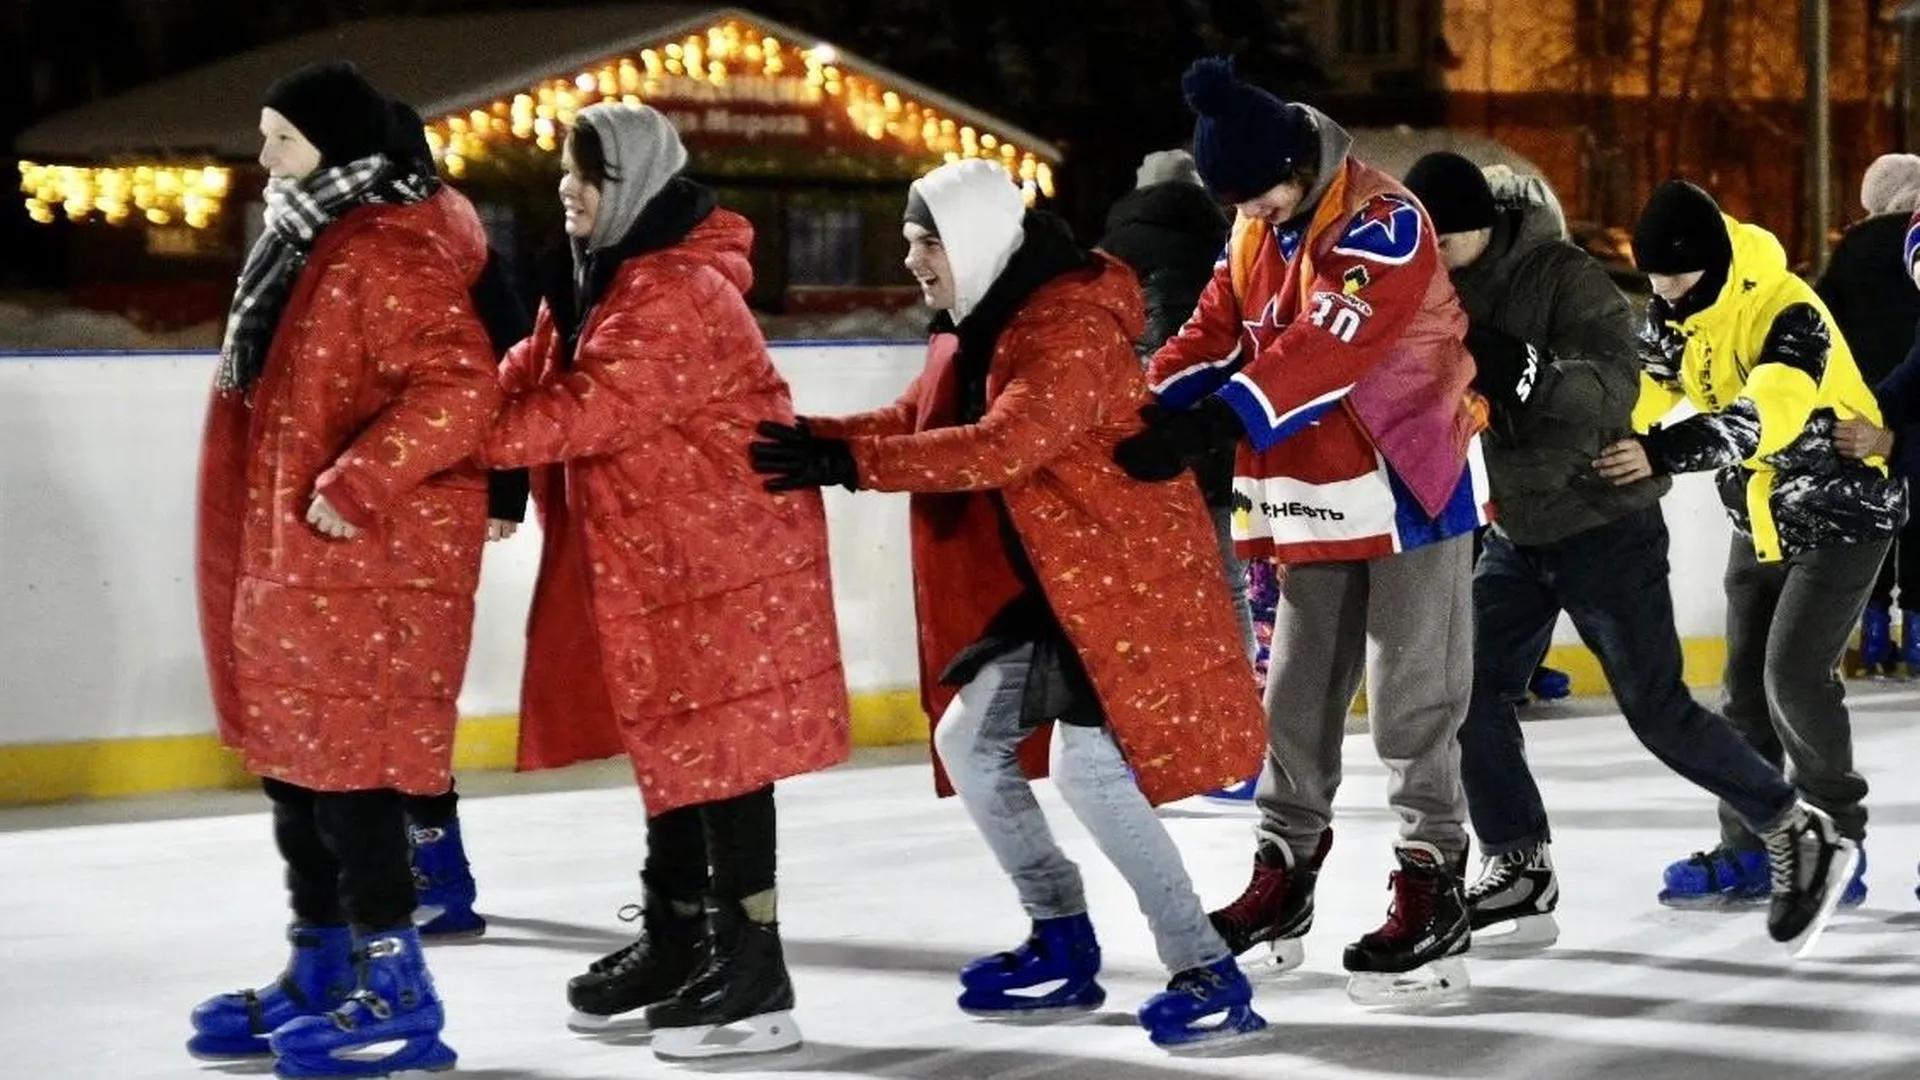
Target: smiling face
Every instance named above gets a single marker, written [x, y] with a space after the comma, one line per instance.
[579, 197]
[284, 152]
[928, 263]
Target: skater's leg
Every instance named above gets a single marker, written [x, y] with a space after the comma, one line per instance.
[1753, 594]
[978, 739]
[1093, 779]
[1615, 585]
[672, 945]
[1819, 603]
[319, 974]
[1419, 682]
[441, 873]
[1319, 647]
[1514, 614]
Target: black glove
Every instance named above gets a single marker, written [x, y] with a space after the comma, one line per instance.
[794, 458]
[1175, 439]
[1505, 367]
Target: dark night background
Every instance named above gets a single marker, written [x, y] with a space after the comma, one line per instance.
[1097, 77]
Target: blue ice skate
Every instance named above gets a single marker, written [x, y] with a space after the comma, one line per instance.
[1549, 684]
[1876, 642]
[1718, 878]
[445, 884]
[1173, 1016]
[1238, 792]
[1909, 646]
[1061, 950]
[318, 977]
[393, 1002]
[1856, 893]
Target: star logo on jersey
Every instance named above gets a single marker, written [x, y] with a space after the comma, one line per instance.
[1262, 331]
[1386, 230]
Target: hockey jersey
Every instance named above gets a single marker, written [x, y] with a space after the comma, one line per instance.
[1339, 344]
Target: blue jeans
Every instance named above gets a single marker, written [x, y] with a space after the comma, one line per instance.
[1612, 582]
[977, 740]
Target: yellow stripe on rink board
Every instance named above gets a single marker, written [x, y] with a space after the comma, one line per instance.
[151, 765]
[104, 768]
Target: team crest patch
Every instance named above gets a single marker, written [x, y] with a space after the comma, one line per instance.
[1354, 280]
[1386, 230]
[1912, 249]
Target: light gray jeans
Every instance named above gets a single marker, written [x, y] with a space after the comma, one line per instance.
[977, 740]
[1236, 573]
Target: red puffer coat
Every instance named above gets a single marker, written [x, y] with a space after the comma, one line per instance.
[682, 612]
[1131, 570]
[335, 663]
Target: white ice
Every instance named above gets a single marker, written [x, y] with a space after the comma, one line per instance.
[116, 918]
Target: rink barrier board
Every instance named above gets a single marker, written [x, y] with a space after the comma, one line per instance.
[154, 765]
[157, 765]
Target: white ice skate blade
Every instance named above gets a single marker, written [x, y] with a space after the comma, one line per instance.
[1440, 981]
[1287, 954]
[1517, 937]
[1839, 873]
[631, 1022]
[768, 1033]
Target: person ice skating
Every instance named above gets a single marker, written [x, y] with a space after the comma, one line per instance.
[1732, 331]
[340, 526]
[1050, 587]
[1875, 307]
[682, 612]
[1330, 339]
[1554, 345]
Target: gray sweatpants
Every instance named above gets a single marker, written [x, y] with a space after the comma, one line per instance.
[977, 739]
[1408, 618]
[1788, 623]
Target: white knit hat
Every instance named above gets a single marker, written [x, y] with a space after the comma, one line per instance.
[1891, 185]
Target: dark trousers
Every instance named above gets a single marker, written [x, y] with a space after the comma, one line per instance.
[1612, 582]
[1788, 624]
[1900, 570]
[723, 848]
[433, 811]
[346, 855]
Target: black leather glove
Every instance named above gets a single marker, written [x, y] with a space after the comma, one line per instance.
[1175, 439]
[793, 458]
[1505, 367]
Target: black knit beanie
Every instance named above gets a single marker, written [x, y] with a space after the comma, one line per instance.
[1681, 231]
[1245, 140]
[1454, 191]
[335, 107]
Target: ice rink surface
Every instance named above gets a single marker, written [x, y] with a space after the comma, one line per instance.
[115, 918]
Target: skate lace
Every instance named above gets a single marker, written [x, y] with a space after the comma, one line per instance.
[1497, 873]
[1782, 851]
[1260, 903]
[634, 951]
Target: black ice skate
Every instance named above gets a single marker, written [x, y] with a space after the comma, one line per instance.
[741, 1002]
[1414, 958]
[1811, 864]
[1511, 903]
[1277, 904]
[671, 948]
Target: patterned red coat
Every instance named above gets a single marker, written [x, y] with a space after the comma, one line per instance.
[1132, 570]
[682, 612]
[335, 663]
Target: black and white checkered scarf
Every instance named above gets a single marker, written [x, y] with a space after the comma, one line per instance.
[297, 210]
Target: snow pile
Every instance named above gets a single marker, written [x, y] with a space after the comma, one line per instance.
[72, 329]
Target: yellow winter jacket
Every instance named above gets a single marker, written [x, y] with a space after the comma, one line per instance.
[1724, 361]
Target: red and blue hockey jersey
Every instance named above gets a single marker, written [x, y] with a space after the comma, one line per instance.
[1340, 346]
